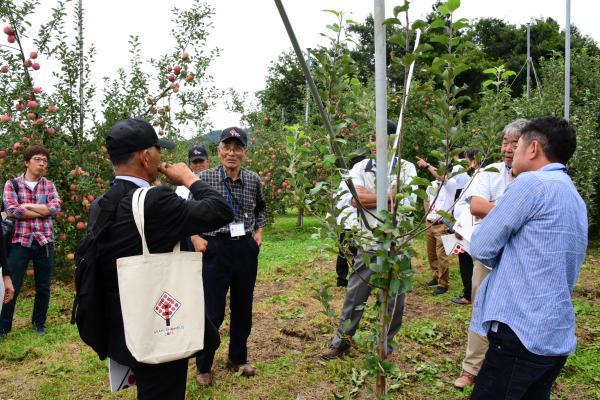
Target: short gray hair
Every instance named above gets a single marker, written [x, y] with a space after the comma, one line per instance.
[516, 126]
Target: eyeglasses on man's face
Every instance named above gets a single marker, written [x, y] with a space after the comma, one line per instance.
[40, 160]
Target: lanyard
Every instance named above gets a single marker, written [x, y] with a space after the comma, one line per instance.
[230, 196]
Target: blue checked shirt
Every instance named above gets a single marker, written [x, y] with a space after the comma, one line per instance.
[535, 241]
[246, 197]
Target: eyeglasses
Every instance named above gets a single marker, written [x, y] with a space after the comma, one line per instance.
[40, 160]
[236, 148]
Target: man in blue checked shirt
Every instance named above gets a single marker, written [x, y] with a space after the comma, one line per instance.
[535, 241]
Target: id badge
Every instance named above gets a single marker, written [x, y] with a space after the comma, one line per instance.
[236, 229]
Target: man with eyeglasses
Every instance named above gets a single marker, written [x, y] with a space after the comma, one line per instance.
[231, 258]
[31, 200]
[486, 188]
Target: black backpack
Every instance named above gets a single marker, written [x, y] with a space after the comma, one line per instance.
[89, 312]
[8, 224]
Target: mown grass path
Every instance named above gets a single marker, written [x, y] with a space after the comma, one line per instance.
[290, 331]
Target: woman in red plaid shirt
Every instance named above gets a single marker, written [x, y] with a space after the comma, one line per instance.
[31, 201]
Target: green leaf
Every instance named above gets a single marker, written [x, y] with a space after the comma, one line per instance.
[438, 23]
[443, 9]
[417, 180]
[336, 13]
[453, 5]
[442, 39]
[490, 71]
[419, 24]
[401, 9]
[392, 21]
[460, 24]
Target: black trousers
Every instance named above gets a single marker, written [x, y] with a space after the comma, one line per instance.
[229, 264]
[511, 372]
[161, 381]
[342, 264]
[465, 264]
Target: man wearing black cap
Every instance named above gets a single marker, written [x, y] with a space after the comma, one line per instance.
[135, 152]
[231, 257]
[198, 162]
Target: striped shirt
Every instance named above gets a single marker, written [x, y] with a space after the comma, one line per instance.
[534, 240]
[246, 197]
[26, 230]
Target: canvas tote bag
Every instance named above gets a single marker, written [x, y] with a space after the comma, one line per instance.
[162, 299]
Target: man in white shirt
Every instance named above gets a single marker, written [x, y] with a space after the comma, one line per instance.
[440, 198]
[363, 177]
[486, 188]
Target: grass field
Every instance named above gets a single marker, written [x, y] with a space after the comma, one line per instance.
[290, 331]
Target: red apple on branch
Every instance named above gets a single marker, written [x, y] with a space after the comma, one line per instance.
[11, 38]
[35, 66]
[37, 89]
[33, 55]
[4, 118]
[52, 108]
[4, 69]
[32, 104]
[8, 30]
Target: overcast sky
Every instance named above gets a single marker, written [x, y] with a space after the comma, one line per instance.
[251, 34]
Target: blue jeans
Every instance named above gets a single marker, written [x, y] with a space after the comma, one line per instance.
[18, 259]
[511, 372]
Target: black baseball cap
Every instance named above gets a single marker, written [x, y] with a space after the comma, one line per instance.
[133, 134]
[234, 133]
[197, 152]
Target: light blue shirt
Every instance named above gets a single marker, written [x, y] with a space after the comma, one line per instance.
[535, 241]
[134, 179]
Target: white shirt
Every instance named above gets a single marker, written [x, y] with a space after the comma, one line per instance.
[489, 185]
[30, 184]
[462, 178]
[348, 215]
[444, 200]
[361, 177]
[182, 192]
[461, 203]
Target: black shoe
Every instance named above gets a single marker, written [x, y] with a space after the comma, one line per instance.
[439, 290]
[432, 282]
[342, 282]
[461, 300]
[39, 330]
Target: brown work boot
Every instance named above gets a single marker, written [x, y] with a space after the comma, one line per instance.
[464, 380]
[246, 370]
[205, 379]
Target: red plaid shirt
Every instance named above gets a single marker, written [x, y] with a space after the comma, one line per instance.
[28, 229]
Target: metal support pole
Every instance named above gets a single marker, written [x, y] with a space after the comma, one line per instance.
[307, 108]
[528, 59]
[381, 105]
[568, 60]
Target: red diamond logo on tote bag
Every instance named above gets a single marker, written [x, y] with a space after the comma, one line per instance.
[166, 307]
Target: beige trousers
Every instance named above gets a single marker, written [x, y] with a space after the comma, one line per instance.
[438, 260]
[476, 345]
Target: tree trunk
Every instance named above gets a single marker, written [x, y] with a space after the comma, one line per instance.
[300, 220]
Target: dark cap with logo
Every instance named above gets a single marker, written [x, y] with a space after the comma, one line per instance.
[234, 133]
[197, 152]
[133, 134]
